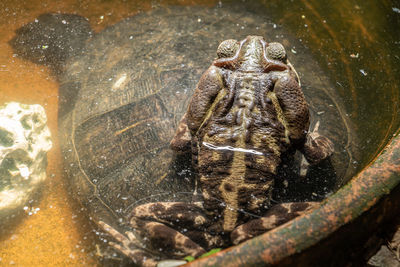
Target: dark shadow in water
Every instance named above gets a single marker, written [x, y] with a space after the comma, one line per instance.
[317, 184]
[51, 40]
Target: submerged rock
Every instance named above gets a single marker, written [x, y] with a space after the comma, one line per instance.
[24, 142]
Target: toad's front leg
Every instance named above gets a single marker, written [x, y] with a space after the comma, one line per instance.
[317, 147]
[166, 230]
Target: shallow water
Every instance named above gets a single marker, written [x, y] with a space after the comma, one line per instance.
[57, 234]
[356, 44]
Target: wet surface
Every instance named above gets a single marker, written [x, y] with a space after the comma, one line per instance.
[356, 47]
[56, 232]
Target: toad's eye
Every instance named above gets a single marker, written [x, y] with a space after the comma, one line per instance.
[276, 51]
[227, 48]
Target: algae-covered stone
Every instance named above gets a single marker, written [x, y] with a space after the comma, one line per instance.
[24, 142]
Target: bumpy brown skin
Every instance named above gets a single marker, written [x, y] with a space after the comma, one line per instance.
[248, 109]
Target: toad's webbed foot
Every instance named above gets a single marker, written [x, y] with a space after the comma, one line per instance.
[162, 238]
[160, 242]
[129, 246]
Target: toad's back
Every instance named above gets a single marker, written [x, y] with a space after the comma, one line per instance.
[241, 146]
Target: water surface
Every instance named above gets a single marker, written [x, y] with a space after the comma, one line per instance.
[357, 45]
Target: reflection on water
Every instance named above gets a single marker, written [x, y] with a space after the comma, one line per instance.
[358, 45]
[354, 43]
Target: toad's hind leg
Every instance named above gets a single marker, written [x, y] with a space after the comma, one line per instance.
[275, 216]
[167, 240]
[179, 226]
[161, 230]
